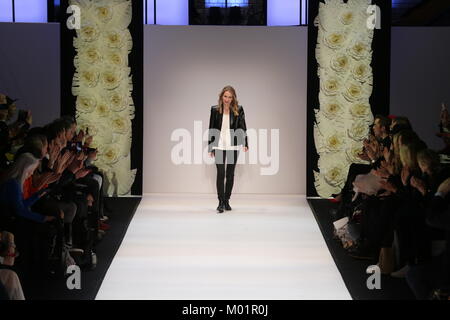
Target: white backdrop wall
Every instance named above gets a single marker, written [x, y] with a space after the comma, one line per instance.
[30, 68]
[185, 69]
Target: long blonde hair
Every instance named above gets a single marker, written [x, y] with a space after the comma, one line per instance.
[408, 155]
[234, 104]
[19, 169]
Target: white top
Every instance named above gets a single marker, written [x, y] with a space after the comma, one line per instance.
[225, 135]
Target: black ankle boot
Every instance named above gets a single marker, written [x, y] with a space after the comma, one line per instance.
[221, 206]
[227, 205]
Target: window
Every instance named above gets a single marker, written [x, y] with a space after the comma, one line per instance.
[6, 10]
[226, 3]
[23, 11]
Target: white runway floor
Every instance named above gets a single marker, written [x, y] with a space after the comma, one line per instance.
[267, 247]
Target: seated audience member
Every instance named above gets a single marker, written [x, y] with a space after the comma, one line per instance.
[373, 152]
[10, 135]
[398, 124]
[34, 233]
[11, 188]
[9, 280]
[439, 217]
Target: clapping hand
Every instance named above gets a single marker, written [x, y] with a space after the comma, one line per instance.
[82, 173]
[80, 136]
[88, 141]
[388, 165]
[53, 152]
[388, 186]
[382, 173]
[62, 162]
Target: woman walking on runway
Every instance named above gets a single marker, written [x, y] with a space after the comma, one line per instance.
[227, 131]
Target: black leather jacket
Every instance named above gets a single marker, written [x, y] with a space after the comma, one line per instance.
[237, 123]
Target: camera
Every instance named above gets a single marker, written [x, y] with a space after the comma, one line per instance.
[76, 147]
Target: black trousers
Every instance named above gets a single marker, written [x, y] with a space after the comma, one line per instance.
[230, 157]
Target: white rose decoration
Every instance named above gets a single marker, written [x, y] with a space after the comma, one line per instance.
[353, 92]
[110, 79]
[89, 77]
[114, 39]
[360, 110]
[118, 102]
[92, 55]
[104, 13]
[335, 40]
[332, 109]
[110, 154]
[89, 33]
[358, 130]
[86, 104]
[335, 175]
[334, 142]
[359, 50]
[103, 109]
[103, 86]
[361, 71]
[120, 125]
[347, 18]
[115, 58]
[331, 86]
[340, 63]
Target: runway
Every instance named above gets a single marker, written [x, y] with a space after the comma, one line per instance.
[269, 247]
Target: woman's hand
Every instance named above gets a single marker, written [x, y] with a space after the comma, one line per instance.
[211, 154]
[388, 186]
[75, 166]
[53, 152]
[82, 173]
[388, 165]
[88, 141]
[53, 178]
[62, 162]
[80, 136]
[382, 173]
